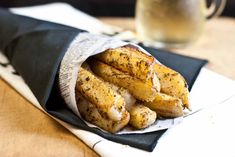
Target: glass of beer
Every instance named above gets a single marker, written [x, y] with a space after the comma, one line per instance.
[173, 23]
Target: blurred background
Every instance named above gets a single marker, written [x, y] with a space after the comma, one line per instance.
[124, 8]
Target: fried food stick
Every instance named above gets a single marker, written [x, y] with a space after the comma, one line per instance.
[173, 84]
[130, 60]
[166, 106]
[91, 114]
[145, 91]
[108, 102]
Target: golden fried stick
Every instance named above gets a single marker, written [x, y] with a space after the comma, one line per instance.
[129, 59]
[173, 84]
[145, 91]
[108, 102]
[166, 106]
[140, 115]
[91, 114]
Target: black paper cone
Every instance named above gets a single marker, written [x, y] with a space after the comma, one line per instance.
[35, 48]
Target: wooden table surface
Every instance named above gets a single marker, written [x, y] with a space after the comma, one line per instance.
[26, 131]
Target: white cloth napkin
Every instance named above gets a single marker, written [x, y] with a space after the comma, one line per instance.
[208, 132]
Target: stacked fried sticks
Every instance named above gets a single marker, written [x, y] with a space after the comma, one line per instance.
[126, 86]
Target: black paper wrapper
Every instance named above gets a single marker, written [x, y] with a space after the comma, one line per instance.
[35, 48]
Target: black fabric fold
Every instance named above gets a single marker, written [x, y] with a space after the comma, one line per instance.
[35, 48]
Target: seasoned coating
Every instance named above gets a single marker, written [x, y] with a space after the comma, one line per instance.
[129, 99]
[141, 116]
[145, 91]
[130, 60]
[108, 102]
[91, 114]
[166, 106]
[173, 84]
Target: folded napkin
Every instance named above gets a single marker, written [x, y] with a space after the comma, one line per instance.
[35, 49]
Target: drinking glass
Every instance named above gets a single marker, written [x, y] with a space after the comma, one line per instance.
[173, 23]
